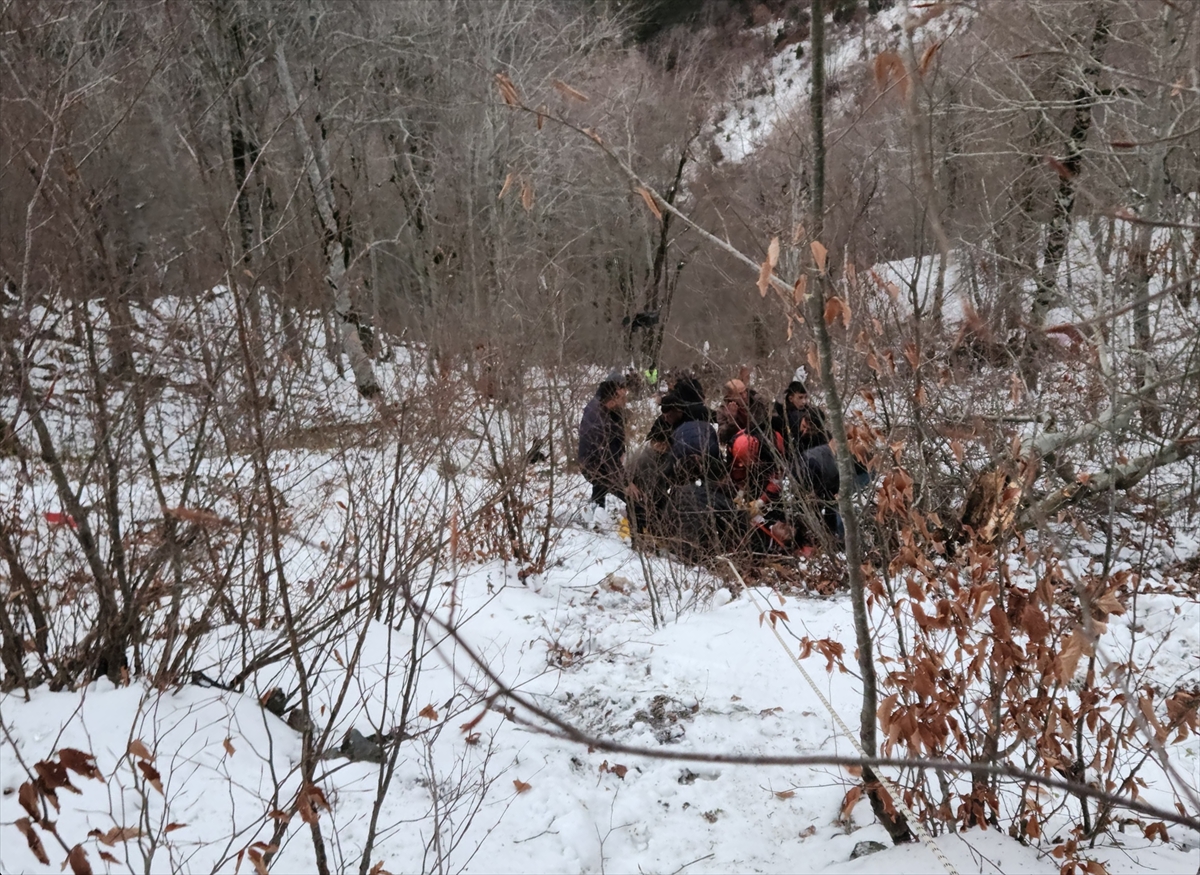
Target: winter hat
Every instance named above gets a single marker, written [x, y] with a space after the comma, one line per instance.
[689, 390]
[796, 387]
[609, 385]
[672, 401]
[660, 431]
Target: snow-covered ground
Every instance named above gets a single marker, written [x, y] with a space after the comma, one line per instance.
[577, 640]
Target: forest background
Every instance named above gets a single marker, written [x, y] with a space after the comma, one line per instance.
[979, 241]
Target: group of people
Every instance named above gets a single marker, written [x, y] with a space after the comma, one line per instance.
[713, 481]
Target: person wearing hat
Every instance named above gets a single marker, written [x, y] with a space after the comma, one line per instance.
[602, 439]
[804, 423]
[695, 453]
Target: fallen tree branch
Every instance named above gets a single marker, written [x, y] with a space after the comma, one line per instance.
[1119, 477]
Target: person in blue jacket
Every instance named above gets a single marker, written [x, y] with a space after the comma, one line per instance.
[695, 450]
[602, 439]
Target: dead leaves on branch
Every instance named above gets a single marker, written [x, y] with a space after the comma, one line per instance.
[508, 91]
[33, 839]
[527, 195]
[567, 91]
[889, 70]
[310, 802]
[648, 198]
[768, 267]
[257, 854]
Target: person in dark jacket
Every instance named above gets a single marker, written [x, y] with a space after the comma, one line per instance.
[602, 439]
[804, 424]
[695, 452]
[817, 473]
[647, 472]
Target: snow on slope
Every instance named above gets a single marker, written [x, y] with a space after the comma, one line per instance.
[714, 679]
[767, 97]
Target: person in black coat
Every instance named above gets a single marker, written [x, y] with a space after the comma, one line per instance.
[804, 424]
[647, 470]
[602, 439]
[695, 452]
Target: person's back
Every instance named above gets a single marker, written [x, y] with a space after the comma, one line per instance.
[647, 470]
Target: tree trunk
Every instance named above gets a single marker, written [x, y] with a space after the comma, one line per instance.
[1058, 232]
[317, 166]
[893, 822]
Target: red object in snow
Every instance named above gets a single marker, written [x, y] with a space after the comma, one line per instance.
[61, 519]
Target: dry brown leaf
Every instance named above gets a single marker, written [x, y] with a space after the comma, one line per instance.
[810, 830]
[109, 858]
[800, 290]
[773, 252]
[151, 774]
[1061, 169]
[1033, 621]
[541, 116]
[1157, 829]
[764, 278]
[309, 802]
[819, 252]
[138, 748]
[378, 869]
[28, 797]
[280, 816]
[888, 69]
[116, 834]
[787, 794]
[927, 58]
[54, 775]
[619, 770]
[171, 827]
[526, 194]
[80, 763]
[850, 800]
[521, 786]
[956, 447]
[78, 861]
[473, 738]
[428, 712]
[567, 91]
[256, 860]
[1146, 706]
[1069, 654]
[508, 181]
[835, 309]
[195, 515]
[1177, 88]
[1109, 603]
[228, 745]
[650, 203]
[508, 90]
[31, 836]
[814, 360]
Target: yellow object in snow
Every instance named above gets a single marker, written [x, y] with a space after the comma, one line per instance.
[623, 529]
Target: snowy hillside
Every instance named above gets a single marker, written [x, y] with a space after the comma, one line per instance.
[192, 777]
